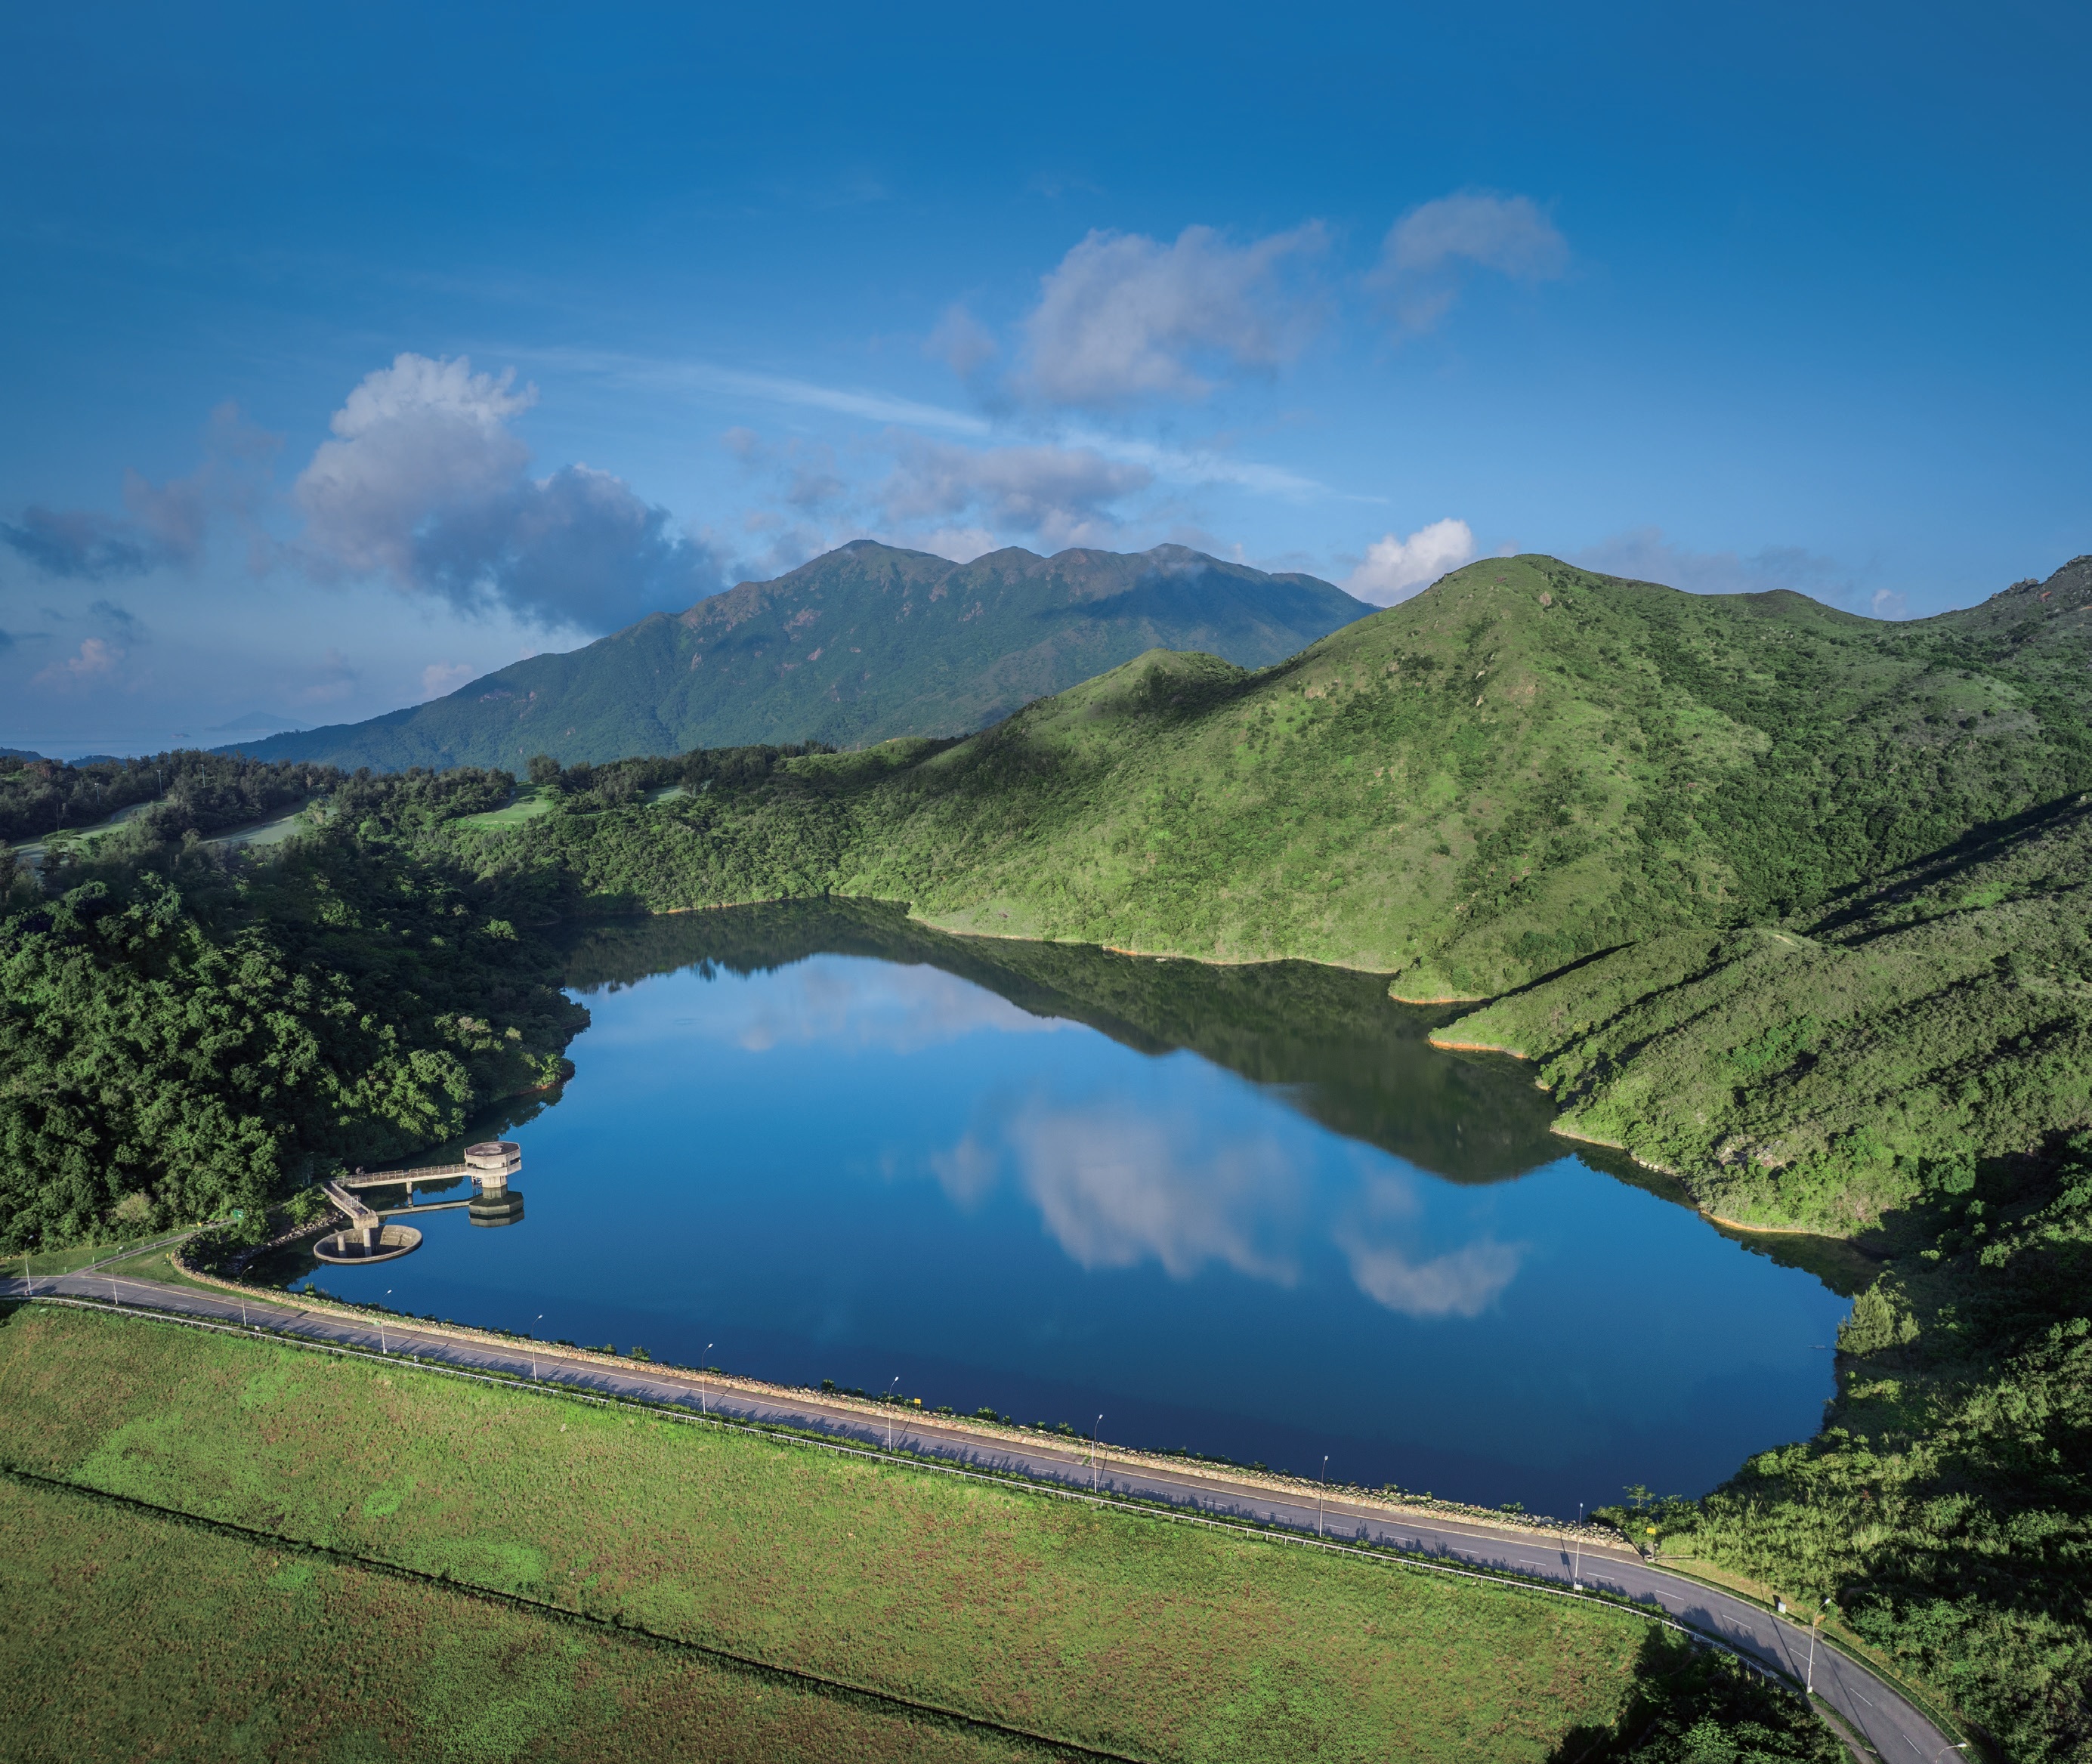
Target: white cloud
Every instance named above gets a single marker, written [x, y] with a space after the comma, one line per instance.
[1062, 495]
[1427, 251]
[1394, 569]
[1124, 316]
[962, 342]
[93, 659]
[962, 545]
[425, 483]
[439, 678]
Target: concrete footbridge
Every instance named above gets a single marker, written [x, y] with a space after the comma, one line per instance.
[371, 1235]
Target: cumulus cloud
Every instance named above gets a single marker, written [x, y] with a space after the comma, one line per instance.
[1393, 569]
[1061, 496]
[1124, 316]
[1428, 252]
[162, 526]
[1644, 554]
[426, 483]
[94, 659]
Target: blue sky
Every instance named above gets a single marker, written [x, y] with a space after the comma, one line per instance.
[349, 354]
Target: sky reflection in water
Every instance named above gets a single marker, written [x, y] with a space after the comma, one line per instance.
[850, 1168]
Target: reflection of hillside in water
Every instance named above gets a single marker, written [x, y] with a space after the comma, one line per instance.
[1328, 1040]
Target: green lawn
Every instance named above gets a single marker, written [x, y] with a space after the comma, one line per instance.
[529, 804]
[272, 1654]
[1129, 1633]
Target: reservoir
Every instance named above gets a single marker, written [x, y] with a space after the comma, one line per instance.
[1245, 1212]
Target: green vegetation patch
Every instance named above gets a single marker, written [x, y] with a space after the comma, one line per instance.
[1830, 1071]
[1126, 1632]
[1524, 766]
[184, 1033]
[129, 1635]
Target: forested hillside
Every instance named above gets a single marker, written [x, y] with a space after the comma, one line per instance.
[1524, 766]
[860, 645]
[189, 791]
[182, 1033]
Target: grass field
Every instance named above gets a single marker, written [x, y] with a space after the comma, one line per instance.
[530, 803]
[1111, 1630]
[275, 1654]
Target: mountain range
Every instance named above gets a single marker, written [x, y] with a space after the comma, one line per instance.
[862, 644]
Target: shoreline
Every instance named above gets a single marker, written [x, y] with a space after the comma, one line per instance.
[1529, 1526]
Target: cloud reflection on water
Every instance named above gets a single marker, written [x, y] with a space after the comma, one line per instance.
[848, 1001]
[1116, 1187]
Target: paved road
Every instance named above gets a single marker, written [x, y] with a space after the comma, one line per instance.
[1896, 1730]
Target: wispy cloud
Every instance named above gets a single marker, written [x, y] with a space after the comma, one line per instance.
[1124, 316]
[164, 526]
[1645, 553]
[1062, 495]
[1428, 253]
[697, 377]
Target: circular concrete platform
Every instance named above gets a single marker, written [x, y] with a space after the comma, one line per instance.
[393, 1241]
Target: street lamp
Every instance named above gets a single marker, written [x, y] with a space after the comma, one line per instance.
[1808, 1678]
[704, 1363]
[1321, 1492]
[889, 1411]
[1093, 1431]
[1577, 1573]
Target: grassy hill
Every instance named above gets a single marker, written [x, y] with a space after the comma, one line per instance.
[1830, 1071]
[1525, 765]
[864, 643]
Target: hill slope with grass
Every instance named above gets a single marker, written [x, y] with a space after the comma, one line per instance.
[1830, 1071]
[1524, 766]
[860, 645]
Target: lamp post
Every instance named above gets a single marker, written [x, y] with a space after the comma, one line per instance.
[889, 1411]
[1808, 1678]
[704, 1364]
[1321, 1492]
[1093, 1431]
[1577, 1573]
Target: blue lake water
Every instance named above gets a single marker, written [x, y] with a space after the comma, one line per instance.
[1245, 1212]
